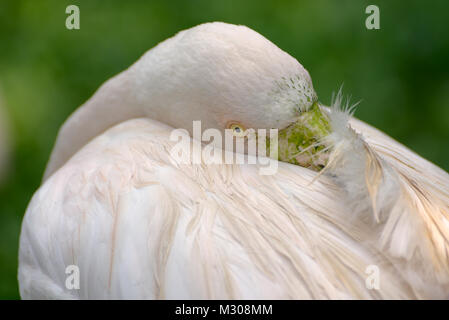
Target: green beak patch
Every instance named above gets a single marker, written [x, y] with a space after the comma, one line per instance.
[302, 142]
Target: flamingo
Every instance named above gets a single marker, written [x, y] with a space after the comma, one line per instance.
[139, 223]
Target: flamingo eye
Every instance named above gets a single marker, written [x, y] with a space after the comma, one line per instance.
[238, 130]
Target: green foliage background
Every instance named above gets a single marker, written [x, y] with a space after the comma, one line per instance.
[400, 72]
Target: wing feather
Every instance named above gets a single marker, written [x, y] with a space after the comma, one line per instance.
[140, 224]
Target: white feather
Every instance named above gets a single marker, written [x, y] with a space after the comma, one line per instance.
[140, 225]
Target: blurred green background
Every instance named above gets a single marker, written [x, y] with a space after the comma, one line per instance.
[400, 72]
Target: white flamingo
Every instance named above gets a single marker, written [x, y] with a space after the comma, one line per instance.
[138, 223]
